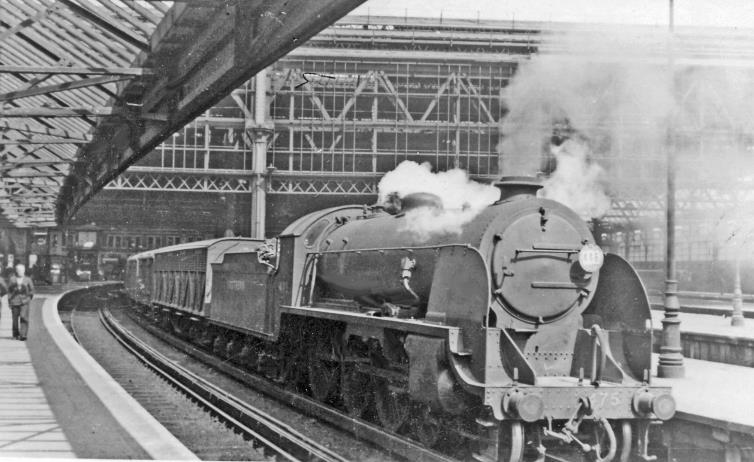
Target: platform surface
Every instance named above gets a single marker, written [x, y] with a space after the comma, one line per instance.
[707, 304]
[707, 324]
[713, 393]
[57, 402]
[28, 426]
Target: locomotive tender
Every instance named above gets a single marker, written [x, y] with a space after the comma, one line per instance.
[517, 336]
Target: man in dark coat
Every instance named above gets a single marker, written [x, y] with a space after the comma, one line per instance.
[3, 290]
[20, 293]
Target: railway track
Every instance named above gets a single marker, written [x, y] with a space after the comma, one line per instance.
[201, 432]
[393, 444]
[279, 440]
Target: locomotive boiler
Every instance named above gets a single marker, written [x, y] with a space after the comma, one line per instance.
[516, 334]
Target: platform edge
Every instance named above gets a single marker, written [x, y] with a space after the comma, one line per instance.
[151, 435]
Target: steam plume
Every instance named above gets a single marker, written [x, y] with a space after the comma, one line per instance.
[621, 107]
[576, 182]
[462, 198]
[572, 110]
[605, 109]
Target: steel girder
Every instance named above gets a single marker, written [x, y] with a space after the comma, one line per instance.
[199, 54]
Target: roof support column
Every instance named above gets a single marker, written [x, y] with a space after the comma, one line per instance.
[259, 130]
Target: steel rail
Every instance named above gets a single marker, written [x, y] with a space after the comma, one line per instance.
[276, 436]
[395, 444]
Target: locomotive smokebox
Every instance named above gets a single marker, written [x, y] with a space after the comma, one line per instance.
[517, 187]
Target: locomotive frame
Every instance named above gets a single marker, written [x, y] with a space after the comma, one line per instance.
[423, 336]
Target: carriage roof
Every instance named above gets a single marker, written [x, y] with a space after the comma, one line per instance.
[211, 245]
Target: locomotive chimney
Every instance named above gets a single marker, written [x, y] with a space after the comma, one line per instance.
[517, 187]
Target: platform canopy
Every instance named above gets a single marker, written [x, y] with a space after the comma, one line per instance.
[59, 66]
[89, 86]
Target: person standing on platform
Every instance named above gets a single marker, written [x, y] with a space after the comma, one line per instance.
[3, 291]
[20, 293]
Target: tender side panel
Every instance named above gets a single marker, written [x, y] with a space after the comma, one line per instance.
[179, 279]
[242, 295]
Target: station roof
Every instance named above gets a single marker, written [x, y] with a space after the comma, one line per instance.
[89, 86]
[59, 67]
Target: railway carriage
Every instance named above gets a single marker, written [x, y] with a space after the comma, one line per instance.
[138, 277]
[178, 279]
[517, 335]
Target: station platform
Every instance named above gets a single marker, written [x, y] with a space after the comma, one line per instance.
[708, 324]
[707, 333]
[713, 393]
[57, 402]
[706, 303]
[28, 427]
[714, 419]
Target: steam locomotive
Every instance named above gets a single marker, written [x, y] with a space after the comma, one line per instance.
[517, 338]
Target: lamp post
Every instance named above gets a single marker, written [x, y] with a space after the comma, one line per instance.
[671, 358]
[738, 314]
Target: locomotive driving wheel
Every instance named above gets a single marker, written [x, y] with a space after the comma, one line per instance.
[624, 441]
[621, 441]
[323, 377]
[392, 404]
[290, 367]
[511, 448]
[427, 427]
[324, 368]
[355, 390]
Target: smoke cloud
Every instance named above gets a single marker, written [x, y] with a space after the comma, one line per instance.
[582, 108]
[462, 198]
[603, 108]
[576, 182]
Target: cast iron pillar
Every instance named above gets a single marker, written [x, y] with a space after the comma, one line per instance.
[259, 129]
[671, 357]
[738, 309]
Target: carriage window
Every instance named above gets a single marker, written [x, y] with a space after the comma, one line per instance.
[314, 232]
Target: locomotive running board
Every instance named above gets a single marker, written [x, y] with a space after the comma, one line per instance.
[405, 325]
